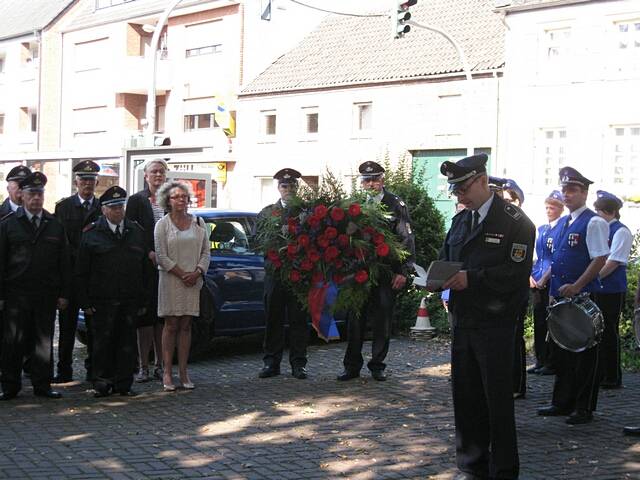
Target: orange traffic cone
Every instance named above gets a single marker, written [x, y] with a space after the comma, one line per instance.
[423, 328]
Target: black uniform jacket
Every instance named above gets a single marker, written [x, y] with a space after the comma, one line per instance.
[5, 208]
[70, 212]
[33, 263]
[109, 269]
[400, 224]
[270, 281]
[139, 209]
[497, 256]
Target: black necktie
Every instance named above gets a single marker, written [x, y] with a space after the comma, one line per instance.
[118, 234]
[35, 222]
[86, 204]
[476, 220]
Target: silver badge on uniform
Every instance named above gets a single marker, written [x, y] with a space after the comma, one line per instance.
[574, 239]
[518, 252]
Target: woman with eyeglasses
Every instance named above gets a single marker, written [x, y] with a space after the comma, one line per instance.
[182, 254]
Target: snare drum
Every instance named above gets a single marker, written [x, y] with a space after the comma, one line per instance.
[575, 323]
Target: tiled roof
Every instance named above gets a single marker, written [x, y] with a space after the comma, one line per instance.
[89, 16]
[19, 17]
[346, 50]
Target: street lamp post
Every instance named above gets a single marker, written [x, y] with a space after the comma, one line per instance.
[153, 67]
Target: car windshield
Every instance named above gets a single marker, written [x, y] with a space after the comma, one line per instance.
[229, 236]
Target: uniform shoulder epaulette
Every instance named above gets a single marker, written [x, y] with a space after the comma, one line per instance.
[7, 215]
[135, 222]
[91, 226]
[513, 211]
[461, 212]
[61, 200]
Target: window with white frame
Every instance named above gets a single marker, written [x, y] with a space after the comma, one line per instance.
[268, 190]
[90, 55]
[203, 38]
[310, 119]
[362, 117]
[552, 154]
[199, 121]
[269, 123]
[625, 169]
[557, 42]
[90, 121]
[628, 35]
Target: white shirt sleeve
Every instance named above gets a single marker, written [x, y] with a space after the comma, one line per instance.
[598, 237]
[621, 246]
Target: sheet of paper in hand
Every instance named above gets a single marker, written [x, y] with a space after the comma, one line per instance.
[439, 272]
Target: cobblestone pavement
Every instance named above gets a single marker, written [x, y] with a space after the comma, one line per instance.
[236, 426]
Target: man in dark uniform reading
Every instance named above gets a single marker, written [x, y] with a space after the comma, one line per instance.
[379, 308]
[34, 281]
[494, 241]
[280, 304]
[75, 213]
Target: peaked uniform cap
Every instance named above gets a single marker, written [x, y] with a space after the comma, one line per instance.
[113, 196]
[86, 168]
[555, 196]
[370, 169]
[511, 184]
[34, 182]
[571, 176]
[608, 196]
[18, 173]
[287, 175]
[464, 169]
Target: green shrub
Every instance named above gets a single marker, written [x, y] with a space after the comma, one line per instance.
[630, 357]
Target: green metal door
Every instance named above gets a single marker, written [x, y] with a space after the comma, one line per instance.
[428, 163]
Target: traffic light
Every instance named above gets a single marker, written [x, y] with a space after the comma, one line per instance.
[399, 16]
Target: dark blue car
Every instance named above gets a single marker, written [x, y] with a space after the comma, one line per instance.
[231, 301]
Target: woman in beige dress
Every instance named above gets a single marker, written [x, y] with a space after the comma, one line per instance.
[182, 253]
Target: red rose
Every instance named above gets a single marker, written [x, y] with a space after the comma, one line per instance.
[360, 253]
[292, 248]
[317, 277]
[343, 240]
[320, 211]
[313, 221]
[294, 276]
[354, 210]
[382, 250]
[276, 263]
[337, 214]
[369, 230]
[304, 240]
[331, 253]
[306, 265]
[322, 241]
[338, 263]
[275, 213]
[292, 229]
[378, 238]
[330, 232]
[273, 255]
[314, 256]
[361, 276]
[337, 278]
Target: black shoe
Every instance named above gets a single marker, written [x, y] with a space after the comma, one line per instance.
[579, 417]
[546, 371]
[378, 375]
[632, 431]
[467, 476]
[102, 393]
[517, 395]
[267, 372]
[8, 395]
[534, 369]
[553, 411]
[299, 372]
[129, 393]
[47, 393]
[347, 375]
[62, 379]
[88, 377]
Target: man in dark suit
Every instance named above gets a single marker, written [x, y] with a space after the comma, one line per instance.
[75, 213]
[111, 287]
[280, 304]
[14, 200]
[34, 281]
[143, 208]
[494, 241]
[379, 307]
